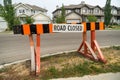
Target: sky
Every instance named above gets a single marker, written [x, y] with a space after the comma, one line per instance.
[50, 5]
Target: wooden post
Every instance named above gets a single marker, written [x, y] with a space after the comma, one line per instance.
[84, 40]
[32, 53]
[92, 35]
[92, 40]
[37, 54]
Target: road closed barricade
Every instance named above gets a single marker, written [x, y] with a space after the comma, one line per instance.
[88, 51]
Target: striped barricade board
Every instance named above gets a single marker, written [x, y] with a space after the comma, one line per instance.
[27, 29]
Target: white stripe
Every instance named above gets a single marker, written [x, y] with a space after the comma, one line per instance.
[32, 58]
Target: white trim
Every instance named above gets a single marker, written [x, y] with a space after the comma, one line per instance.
[41, 14]
[22, 5]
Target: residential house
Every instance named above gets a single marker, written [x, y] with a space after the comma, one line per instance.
[78, 13]
[23, 10]
[115, 11]
[3, 24]
[37, 13]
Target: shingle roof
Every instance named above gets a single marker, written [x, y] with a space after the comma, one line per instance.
[77, 6]
[34, 7]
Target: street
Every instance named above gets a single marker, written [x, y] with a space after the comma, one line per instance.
[16, 47]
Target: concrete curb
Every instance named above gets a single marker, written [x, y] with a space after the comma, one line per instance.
[47, 55]
[4, 65]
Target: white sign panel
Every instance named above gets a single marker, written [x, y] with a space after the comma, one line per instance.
[67, 28]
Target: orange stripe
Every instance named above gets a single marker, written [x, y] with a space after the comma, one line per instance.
[39, 28]
[92, 24]
[26, 29]
[101, 26]
[50, 28]
[84, 25]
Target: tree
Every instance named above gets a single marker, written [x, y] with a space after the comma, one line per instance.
[107, 12]
[17, 21]
[61, 18]
[58, 19]
[91, 18]
[8, 13]
[63, 13]
[29, 20]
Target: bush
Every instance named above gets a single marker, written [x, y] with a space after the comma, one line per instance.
[17, 21]
[29, 20]
[91, 18]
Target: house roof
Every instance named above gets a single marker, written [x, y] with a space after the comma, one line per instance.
[78, 6]
[34, 7]
[118, 8]
[82, 4]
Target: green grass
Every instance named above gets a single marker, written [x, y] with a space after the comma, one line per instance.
[114, 27]
[116, 47]
[3, 70]
[86, 68]
[65, 65]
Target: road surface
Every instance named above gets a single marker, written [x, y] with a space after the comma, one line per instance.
[16, 47]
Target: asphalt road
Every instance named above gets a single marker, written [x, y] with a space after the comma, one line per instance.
[16, 47]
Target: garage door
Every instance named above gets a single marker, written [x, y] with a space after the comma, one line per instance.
[73, 21]
[3, 26]
[41, 22]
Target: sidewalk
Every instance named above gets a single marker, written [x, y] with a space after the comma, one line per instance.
[105, 76]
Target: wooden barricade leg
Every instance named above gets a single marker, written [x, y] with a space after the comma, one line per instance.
[92, 25]
[95, 46]
[100, 55]
[83, 43]
[32, 54]
[37, 57]
[84, 39]
[92, 40]
[89, 51]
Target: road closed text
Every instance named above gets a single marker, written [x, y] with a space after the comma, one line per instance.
[67, 28]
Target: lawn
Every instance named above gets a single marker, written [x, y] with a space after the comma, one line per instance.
[64, 65]
[114, 27]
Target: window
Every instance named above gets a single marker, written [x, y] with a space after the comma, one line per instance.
[114, 11]
[97, 10]
[89, 11]
[84, 10]
[59, 12]
[21, 11]
[32, 11]
[67, 11]
[77, 10]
